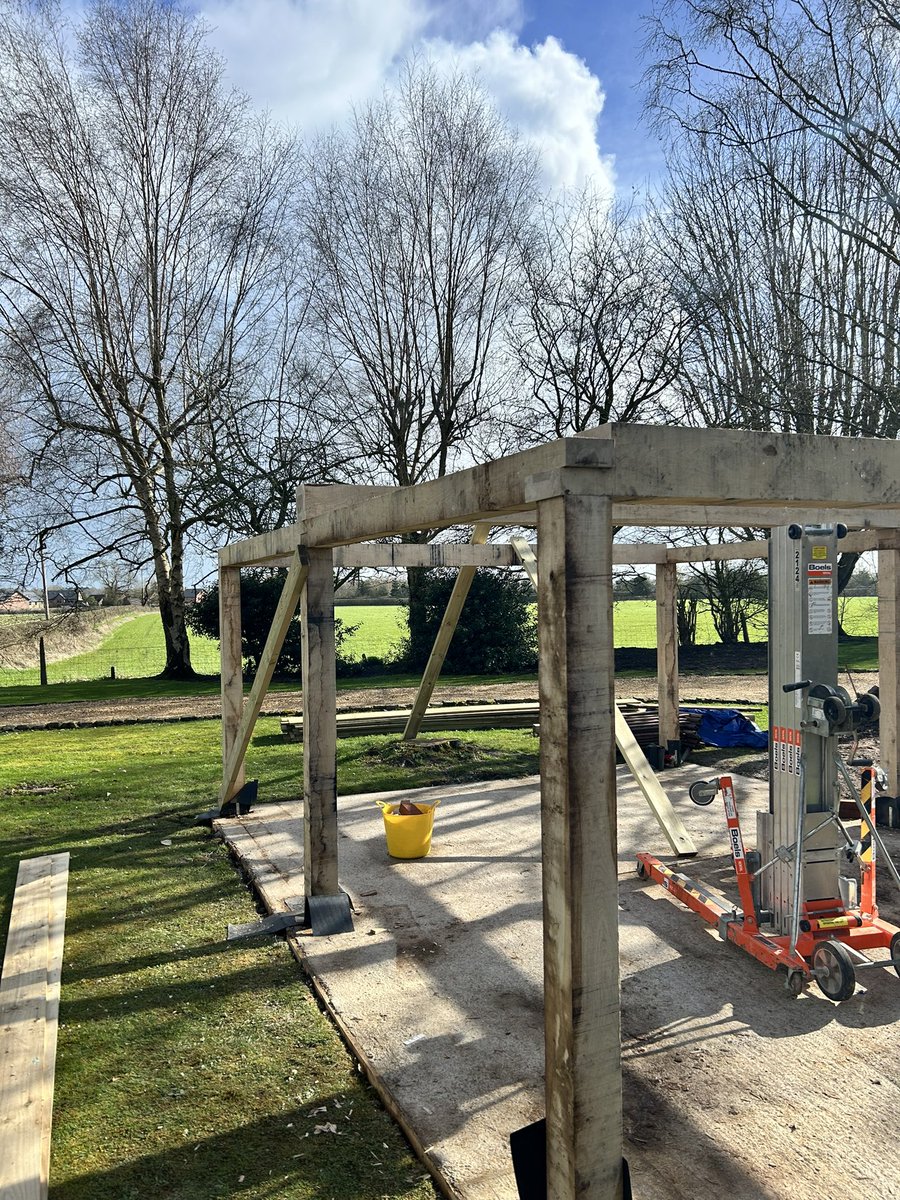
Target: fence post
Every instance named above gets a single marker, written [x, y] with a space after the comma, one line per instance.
[42, 654]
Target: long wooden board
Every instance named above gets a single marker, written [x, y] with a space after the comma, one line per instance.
[29, 1012]
[520, 715]
[669, 821]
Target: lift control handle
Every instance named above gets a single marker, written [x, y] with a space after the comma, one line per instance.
[795, 687]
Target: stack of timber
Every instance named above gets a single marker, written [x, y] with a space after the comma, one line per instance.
[519, 715]
[29, 1012]
[643, 720]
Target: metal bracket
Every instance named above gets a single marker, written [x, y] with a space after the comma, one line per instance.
[329, 914]
[282, 922]
[239, 805]
[528, 1147]
[321, 915]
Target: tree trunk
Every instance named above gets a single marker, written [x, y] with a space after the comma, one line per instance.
[170, 588]
[846, 566]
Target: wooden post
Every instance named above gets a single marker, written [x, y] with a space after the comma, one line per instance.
[578, 820]
[42, 662]
[635, 759]
[667, 651]
[444, 637]
[284, 613]
[231, 665]
[889, 663]
[320, 849]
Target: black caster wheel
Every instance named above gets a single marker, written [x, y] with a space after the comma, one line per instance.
[834, 970]
[794, 982]
[895, 951]
[642, 871]
[703, 791]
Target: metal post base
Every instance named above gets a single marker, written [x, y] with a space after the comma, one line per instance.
[528, 1147]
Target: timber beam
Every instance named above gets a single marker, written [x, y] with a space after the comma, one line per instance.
[683, 476]
[282, 544]
[651, 465]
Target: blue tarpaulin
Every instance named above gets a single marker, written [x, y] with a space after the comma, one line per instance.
[728, 727]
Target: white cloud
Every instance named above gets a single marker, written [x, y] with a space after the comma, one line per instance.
[550, 95]
[310, 60]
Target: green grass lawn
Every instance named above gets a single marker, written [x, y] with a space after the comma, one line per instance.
[190, 1068]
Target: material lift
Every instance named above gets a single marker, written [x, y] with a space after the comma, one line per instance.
[807, 894]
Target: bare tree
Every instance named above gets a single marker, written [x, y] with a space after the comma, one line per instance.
[597, 336]
[413, 214]
[829, 66]
[285, 426]
[116, 579]
[793, 325]
[140, 257]
[794, 321]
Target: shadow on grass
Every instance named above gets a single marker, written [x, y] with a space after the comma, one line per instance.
[169, 995]
[277, 1155]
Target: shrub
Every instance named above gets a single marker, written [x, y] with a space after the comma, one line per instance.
[497, 630]
[260, 592]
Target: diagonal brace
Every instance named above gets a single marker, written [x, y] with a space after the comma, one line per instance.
[287, 606]
[444, 637]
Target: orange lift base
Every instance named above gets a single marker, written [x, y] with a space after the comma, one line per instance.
[823, 922]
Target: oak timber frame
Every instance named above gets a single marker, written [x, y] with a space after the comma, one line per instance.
[575, 490]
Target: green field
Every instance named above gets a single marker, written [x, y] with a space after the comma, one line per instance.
[635, 622]
[381, 628]
[136, 650]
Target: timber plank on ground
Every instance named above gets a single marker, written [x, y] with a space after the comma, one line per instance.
[457, 716]
[29, 1012]
[643, 720]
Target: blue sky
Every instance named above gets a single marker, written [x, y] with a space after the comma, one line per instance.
[609, 37]
[566, 73]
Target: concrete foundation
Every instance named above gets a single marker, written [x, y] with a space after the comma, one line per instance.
[731, 1088]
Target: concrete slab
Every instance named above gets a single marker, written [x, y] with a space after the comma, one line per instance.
[732, 1088]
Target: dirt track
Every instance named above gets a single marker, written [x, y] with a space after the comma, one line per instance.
[747, 689]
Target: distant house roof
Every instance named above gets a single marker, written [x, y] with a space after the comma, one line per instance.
[15, 600]
[63, 597]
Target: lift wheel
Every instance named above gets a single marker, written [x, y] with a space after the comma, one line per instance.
[834, 971]
[794, 982]
[703, 791]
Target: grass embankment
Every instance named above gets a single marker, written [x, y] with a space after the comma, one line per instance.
[190, 1068]
[66, 636]
[87, 645]
[135, 647]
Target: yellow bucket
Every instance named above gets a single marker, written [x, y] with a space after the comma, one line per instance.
[408, 836]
